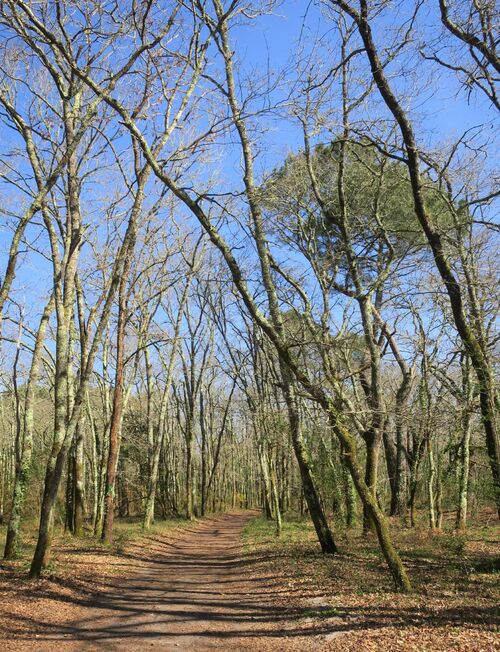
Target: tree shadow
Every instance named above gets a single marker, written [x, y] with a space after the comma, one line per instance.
[203, 586]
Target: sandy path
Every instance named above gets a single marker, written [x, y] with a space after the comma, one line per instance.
[201, 593]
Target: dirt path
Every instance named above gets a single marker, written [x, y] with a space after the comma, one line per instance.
[194, 588]
[201, 593]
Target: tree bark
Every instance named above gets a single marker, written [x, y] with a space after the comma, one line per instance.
[23, 468]
[117, 411]
[311, 493]
[479, 357]
[79, 478]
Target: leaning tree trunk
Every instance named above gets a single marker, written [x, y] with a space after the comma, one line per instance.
[311, 493]
[370, 504]
[55, 467]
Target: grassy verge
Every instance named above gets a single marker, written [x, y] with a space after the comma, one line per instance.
[127, 532]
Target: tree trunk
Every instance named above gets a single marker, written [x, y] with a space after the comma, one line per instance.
[464, 456]
[276, 501]
[204, 455]
[189, 472]
[117, 411]
[430, 487]
[463, 482]
[23, 469]
[350, 497]
[53, 476]
[372, 440]
[79, 478]
[398, 497]
[311, 493]
[369, 501]
[69, 523]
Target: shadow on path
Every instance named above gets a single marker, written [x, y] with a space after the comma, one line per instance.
[203, 593]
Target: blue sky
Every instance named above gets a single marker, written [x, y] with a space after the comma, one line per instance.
[441, 111]
[439, 108]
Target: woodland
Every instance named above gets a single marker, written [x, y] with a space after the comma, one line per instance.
[248, 265]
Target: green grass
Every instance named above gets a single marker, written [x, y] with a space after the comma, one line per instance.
[126, 531]
[328, 612]
[261, 530]
[446, 560]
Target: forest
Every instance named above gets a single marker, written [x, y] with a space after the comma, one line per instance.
[249, 304]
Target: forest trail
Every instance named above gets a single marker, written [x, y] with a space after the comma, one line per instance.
[203, 593]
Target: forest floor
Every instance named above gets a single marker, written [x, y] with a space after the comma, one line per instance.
[352, 604]
[227, 583]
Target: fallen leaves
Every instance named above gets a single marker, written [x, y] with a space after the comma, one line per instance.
[450, 610]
